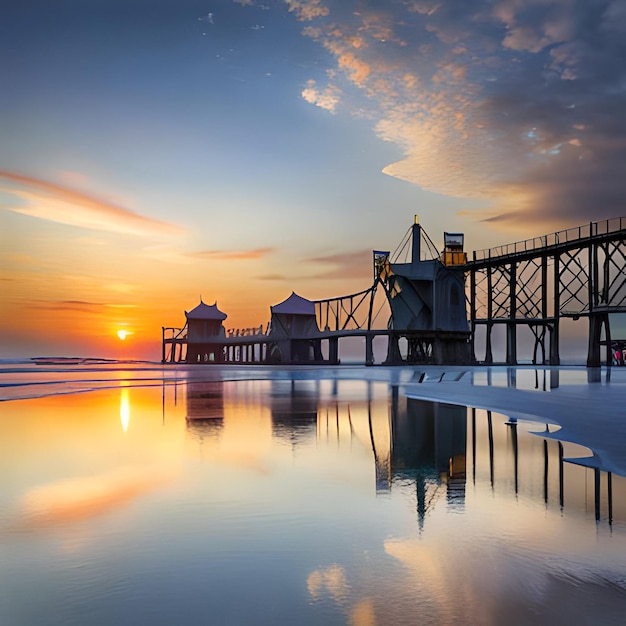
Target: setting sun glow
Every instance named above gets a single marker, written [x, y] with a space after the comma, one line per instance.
[122, 334]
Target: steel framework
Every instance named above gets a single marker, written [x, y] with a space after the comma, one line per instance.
[579, 272]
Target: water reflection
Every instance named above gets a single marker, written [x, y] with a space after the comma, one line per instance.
[124, 408]
[542, 379]
[434, 446]
[205, 409]
[429, 443]
[294, 407]
[307, 501]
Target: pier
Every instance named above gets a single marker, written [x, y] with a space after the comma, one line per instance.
[437, 307]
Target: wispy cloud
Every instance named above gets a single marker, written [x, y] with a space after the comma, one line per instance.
[517, 102]
[276, 277]
[356, 264]
[67, 305]
[231, 255]
[81, 306]
[48, 201]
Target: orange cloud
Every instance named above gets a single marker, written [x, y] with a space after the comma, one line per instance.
[78, 305]
[307, 9]
[55, 203]
[355, 264]
[326, 98]
[272, 277]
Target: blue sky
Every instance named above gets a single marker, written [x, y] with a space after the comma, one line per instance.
[242, 149]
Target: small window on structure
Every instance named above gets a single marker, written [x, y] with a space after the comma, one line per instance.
[212, 356]
[454, 296]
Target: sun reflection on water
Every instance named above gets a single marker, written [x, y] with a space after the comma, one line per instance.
[124, 408]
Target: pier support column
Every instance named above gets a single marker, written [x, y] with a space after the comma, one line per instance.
[393, 350]
[369, 350]
[555, 358]
[593, 350]
[596, 321]
[511, 343]
[488, 349]
[333, 350]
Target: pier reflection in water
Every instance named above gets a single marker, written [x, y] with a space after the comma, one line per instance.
[431, 445]
[205, 408]
[301, 501]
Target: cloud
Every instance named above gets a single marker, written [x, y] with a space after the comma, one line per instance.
[68, 305]
[326, 98]
[277, 277]
[356, 264]
[517, 103]
[55, 203]
[232, 255]
[306, 10]
[81, 306]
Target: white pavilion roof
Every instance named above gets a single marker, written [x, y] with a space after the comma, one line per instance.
[294, 305]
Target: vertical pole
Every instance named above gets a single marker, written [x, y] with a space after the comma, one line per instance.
[561, 481]
[473, 445]
[594, 277]
[333, 350]
[545, 471]
[596, 491]
[544, 285]
[162, 344]
[511, 328]
[593, 351]
[472, 277]
[490, 433]
[416, 243]
[488, 351]
[544, 304]
[369, 350]
[609, 483]
[555, 359]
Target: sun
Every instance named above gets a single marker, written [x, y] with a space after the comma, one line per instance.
[122, 334]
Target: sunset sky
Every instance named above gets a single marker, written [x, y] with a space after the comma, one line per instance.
[156, 151]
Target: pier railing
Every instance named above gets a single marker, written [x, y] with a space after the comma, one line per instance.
[570, 235]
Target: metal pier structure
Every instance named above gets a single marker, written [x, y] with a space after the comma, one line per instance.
[436, 307]
[575, 273]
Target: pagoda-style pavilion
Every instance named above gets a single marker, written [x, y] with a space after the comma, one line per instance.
[294, 332]
[204, 331]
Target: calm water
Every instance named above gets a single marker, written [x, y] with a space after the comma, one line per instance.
[292, 497]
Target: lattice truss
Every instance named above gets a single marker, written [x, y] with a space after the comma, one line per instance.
[529, 289]
[611, 290]
[500, 291]
[419, 350]
[574, 281]
[353, 312]
[481, 292]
